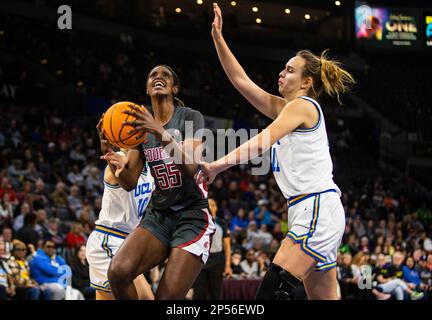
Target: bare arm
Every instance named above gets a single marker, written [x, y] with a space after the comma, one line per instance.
[227, 252]
[292, 116]
[266, 103]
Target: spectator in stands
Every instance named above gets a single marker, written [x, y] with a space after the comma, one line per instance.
[6, 187]
[411, 275]
[75, 177]
[28, 233]
[16, 172]
[41, 199]
[26, 194]
[48, 270]
[54, 234]
[425, 273]
[75, 202]
[93, 181]
[263, 214]
[347, 281]
[19, 220]
[239, 222]
[277, 232]
[25, 287]
[6, 237]
[251, 234]
[32, 173]
[236, 268]
[75, 238]
[76, 154]
[80, 274]
[388, 283]
[426, 242]
[59, 196]
[41, 223]
[250, 266]
[264, 236]
[6, 284]
[6, 209]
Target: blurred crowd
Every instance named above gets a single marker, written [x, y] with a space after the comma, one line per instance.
[51, 188]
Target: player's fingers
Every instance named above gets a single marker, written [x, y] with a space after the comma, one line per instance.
[133, 131]
[131, 113]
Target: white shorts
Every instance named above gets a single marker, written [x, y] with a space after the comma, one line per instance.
[102, 245]
[317, 222]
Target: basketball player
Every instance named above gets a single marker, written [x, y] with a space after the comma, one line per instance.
[120, 214]
[177, 224]
[301, 164]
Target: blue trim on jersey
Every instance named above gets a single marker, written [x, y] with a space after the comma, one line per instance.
[296, 199]
[104, 288]
[105, 247]
[326, 266]
[111, 231]
[315, 215]
[302, 240]
[112, 186]
[308, 130]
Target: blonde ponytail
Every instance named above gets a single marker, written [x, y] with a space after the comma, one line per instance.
[335, 80]
[326, 74]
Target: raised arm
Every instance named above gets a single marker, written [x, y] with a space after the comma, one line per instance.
[266, 103]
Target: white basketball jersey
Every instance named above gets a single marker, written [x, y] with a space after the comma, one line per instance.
[301, 160]
[123, 210]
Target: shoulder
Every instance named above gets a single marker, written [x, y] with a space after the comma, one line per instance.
[188, 112]
[300, 106]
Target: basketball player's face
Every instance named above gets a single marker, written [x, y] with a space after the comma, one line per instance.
[160, 82]
[290, 78]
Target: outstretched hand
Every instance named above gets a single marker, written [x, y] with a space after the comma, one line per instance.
[217, 22]
[116, 160]
[207, 173]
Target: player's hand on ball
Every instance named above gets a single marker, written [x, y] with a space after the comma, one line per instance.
[105, 145]
[116, 160]
[144, 121]
[217, 22]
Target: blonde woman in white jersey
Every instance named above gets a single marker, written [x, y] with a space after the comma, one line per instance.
[301, 164]
[120, 214]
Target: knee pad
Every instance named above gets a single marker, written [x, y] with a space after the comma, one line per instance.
[278, 284]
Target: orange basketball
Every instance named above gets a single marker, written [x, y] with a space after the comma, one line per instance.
[116, 132]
